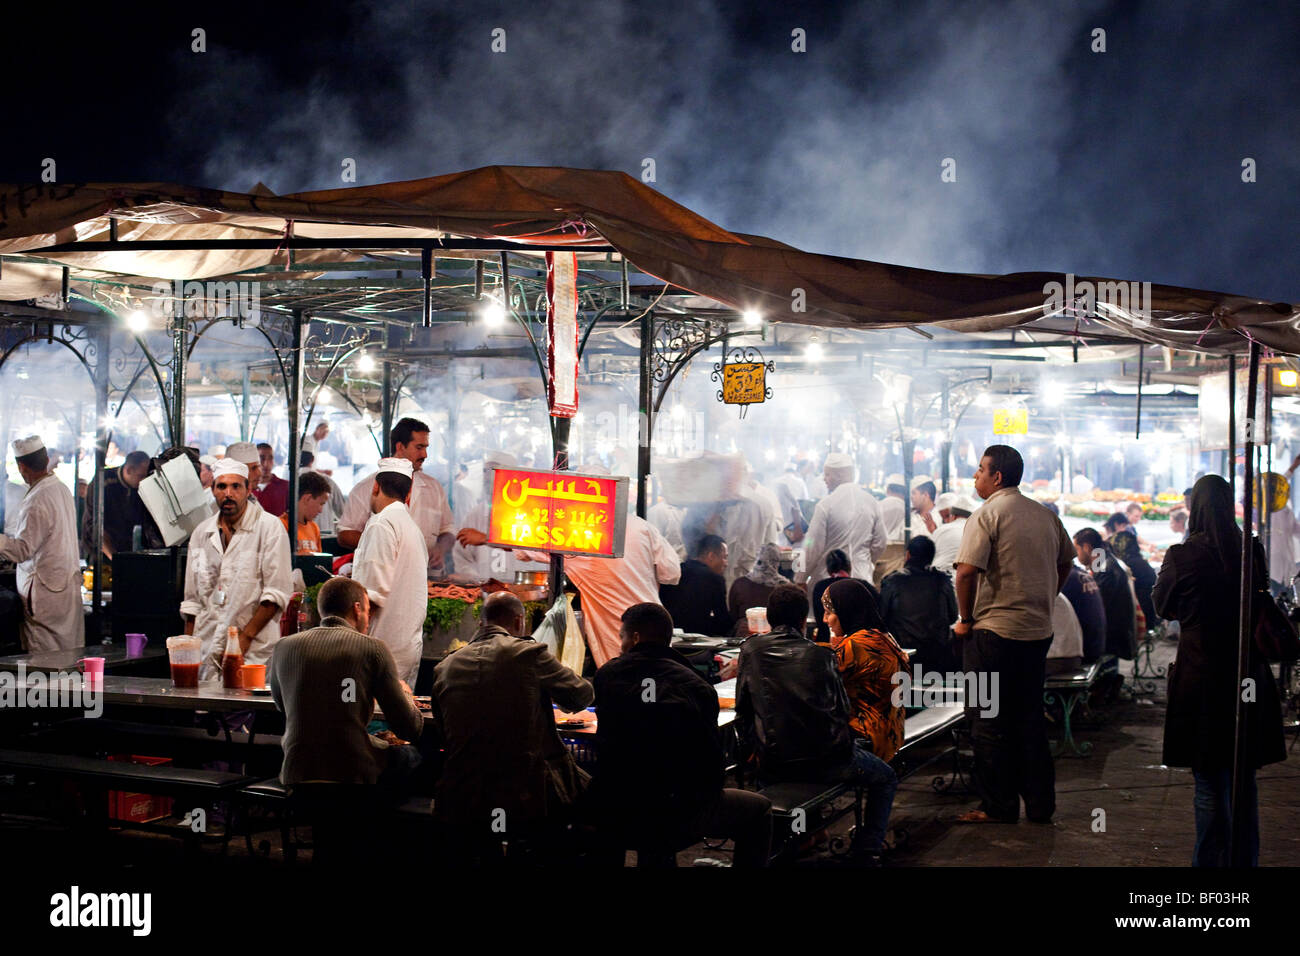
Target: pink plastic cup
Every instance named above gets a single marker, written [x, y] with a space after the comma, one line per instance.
[93, 668]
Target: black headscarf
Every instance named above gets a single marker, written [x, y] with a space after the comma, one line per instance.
[854, 606]
[1214, 518]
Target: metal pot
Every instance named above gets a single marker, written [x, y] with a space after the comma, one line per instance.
[532, 578]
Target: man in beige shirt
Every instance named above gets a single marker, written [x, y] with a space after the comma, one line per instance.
[1015, 557]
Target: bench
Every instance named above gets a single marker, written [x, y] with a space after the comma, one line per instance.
[1068, 684]
[99, 776]
[800, 808]
[189, 744]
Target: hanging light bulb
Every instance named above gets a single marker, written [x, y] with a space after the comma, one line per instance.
[365, 362]
[137, 321]
[752, 317]
[814, 351]
[493, 313]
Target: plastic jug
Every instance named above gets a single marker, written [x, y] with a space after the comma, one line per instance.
[185, 654]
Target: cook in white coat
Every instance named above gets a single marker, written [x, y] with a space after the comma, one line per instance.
[473, 559]
[43, 542]
[954, 509]
[237, 573]
[848, 518]
[392, 563]
[428, 506]
[894, 509]
[1283, 546]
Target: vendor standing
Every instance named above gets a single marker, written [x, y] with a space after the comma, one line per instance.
[237, 573]
[391, 563]
[44, 545]
[472, 558]
[428, 507]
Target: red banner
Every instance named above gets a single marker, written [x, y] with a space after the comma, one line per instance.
[562, 333]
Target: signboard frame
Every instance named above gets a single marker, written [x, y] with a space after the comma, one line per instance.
[617, 524]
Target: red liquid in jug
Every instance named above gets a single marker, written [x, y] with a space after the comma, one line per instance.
[185, 675]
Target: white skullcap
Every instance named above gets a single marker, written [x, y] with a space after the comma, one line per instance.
[838, 461]
[228, 466]
[208, 460]
[25, 446]
[945, 501]
[324, 461]
[964, 503]
[398, 466]
[499, 459]
[895, 479]
[919, 480]
[244, 451]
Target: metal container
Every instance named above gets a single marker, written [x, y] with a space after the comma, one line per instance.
[532, 578]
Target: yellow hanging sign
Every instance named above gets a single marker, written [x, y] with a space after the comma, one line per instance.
[1011, 421]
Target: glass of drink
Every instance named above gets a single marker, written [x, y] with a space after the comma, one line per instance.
[184, 652]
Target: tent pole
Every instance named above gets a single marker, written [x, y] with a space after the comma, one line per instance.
[1231, 454]
[1245, 616]
[180, 358]
[300, 322]
[1137, 421]
[387, 411]
[102, 345]
[644, 423]
[946, 446]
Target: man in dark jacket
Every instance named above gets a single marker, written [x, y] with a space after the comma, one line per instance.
[506, 768]
[919, 606]
[792, 714]
[658, 785]
[698, 602]
[1084, 595]
[1116, 595]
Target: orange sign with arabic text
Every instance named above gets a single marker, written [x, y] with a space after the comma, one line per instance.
[558, 512]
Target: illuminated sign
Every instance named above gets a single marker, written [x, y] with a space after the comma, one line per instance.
[559, 512]
[1011, 421]
[743, 375]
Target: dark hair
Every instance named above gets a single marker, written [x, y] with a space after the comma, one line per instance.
[404, 431]
[787, 606]
[136, 459]
[837, 561]
[709, 544]
[901, 489]
[854, 605]
[501, 608]
[310, 483]
[1125, 547]
[651, 622]
[337, 595]
[920, 550]
[927, 487]
[38, 460]
[262, 444]
[1115, 520]
[305, 459]
[959, 512]
[393, 485]
[1006, 461]
[1089, 537]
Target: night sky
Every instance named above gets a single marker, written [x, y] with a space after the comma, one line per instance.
[1126, 163]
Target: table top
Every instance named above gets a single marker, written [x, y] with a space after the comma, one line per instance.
[159, 692]
[726, 692]
[66, 660]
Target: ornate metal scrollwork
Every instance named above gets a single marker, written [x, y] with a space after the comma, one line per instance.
[742, 375]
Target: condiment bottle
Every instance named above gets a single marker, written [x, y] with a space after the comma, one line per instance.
[232, 661]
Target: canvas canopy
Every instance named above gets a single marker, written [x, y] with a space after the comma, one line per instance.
[582, 209]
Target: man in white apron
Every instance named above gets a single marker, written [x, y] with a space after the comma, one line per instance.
[391, 563]
[237, 573]
[44, 545]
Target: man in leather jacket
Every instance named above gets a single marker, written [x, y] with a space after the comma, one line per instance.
[792, 713]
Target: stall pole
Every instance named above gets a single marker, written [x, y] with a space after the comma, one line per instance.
[102, 344]
[180, 358]
[946, 472]
[244, 406]
[300, 324]
[387, 410]
[1245, 616]
[1230, 456]
[453, 445]
[560, 462]
[1137, 422]
[644, 408]
[1267, 509]
[908, 445]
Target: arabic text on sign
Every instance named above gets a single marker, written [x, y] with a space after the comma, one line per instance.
[744, 383]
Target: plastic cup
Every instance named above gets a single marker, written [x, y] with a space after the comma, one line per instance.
[184, 653]
[135, 644]
[756, 618]
[253, 676]
[93, 668]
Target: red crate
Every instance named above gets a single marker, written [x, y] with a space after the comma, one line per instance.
[138, 807]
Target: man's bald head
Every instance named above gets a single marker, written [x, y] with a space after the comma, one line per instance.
[504, 610]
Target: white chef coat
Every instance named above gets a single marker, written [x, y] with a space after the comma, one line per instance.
[1283, 545]
[429, 508]
[892, 511]
[1067, 635]
[771, 508]
[392, 564]
[224, 588]
[466, 499]
[790, 490]
[479, 562]
[667, 520]
[947, 542]
[849, 518]
[609, 586]
[44, 544]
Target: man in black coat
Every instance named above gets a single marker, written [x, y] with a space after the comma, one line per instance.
[658, 785]
[1116, 595]
[698, 602]
[919, 607]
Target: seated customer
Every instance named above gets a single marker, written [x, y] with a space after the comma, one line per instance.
[506, 769]
[658, 785]
[1084, 595]
[868, 658]
[918, 607]
[838, 568]
[754, 588]
[327, 681]
[1116, 594]
[792, 715]
[698, 602]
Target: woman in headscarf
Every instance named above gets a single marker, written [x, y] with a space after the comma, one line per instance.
[753, 589]
[1124, 545]
[868, 658]
[1198, 587]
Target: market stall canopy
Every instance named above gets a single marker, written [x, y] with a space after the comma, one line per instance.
[581, 210]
